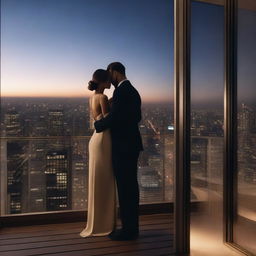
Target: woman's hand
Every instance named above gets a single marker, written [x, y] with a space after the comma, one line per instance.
[99, 117]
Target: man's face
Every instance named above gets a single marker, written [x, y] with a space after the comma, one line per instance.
[113, 77]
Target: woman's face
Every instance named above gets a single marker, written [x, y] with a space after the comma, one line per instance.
[108, 85]
[105, 85]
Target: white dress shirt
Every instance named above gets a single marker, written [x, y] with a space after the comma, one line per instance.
[122, 82]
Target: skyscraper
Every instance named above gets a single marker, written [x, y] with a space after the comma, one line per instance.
[13, 124]
[58, 178]
[17, 169]
[56, 122]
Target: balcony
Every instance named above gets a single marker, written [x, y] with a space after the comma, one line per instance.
[193, 62]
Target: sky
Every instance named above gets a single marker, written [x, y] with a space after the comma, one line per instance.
[52, 47]
[207, 52]
[246, 75]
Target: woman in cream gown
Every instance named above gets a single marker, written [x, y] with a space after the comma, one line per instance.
[102, 210]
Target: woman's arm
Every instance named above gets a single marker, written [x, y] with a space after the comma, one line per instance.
[115, 115]
[104, 104]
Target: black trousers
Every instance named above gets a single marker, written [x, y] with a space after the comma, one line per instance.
[125, 170]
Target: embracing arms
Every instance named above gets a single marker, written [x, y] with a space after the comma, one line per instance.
[125, 110]
[104, 105]
[113, 116]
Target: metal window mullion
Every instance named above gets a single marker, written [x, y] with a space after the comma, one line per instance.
[230, 120]
[182, 125]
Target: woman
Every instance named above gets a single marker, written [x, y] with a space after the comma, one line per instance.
[101, 217]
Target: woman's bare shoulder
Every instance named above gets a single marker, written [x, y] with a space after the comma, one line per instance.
[103, 96]
[98, 95]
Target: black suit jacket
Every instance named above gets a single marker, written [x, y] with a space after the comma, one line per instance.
[123, 119]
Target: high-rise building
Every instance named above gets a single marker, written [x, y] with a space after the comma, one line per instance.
[36, 176]
[215, 159]
[79, 182]
[3, 176]
[58, 180]
[199, 156]
[17, 169]
[168, 166]
[246, 119]
[149, 184]
[56, 122]
[13, 124]
[198, 163]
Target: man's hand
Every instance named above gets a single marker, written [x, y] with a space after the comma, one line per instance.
[110, 102]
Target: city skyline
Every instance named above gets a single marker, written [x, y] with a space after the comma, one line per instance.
[54, 133]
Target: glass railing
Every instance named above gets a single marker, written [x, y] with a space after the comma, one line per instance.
[43, 174]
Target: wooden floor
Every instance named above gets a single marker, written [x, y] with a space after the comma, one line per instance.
[156, 238]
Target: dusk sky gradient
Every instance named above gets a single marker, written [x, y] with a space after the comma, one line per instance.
[52, 47]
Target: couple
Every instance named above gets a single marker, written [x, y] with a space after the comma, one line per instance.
[114, 150]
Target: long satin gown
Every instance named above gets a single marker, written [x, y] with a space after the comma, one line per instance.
[102, 209]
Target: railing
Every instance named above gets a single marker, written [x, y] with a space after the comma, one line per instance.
[50, 174]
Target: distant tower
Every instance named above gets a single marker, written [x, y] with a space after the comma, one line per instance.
[149, 184]
[56, 122]
[17, 169]
[79, 182]
[58, 181]
[246, 143]
[215, 159]
[36, 176]
[3, 176]
[13, 123]
[245, 119]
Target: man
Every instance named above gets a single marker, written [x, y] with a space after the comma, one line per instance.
[123, 119]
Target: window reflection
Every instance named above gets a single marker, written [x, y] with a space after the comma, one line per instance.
[207, 84]
[245, 215]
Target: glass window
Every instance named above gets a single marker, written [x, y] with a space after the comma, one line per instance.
[244, 232]
[207, 135]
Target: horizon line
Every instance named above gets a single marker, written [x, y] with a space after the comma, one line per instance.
[209, 101]
[212, 101]
[78, 97]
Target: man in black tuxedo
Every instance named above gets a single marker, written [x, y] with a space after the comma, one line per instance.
[123, 119]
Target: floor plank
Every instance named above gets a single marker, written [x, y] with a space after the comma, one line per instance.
[156, 238]
[5, 232]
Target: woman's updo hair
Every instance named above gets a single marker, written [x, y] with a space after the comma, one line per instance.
[92, 85]
[99, 76]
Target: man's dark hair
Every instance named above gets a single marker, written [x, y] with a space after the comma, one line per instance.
[117, 66]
